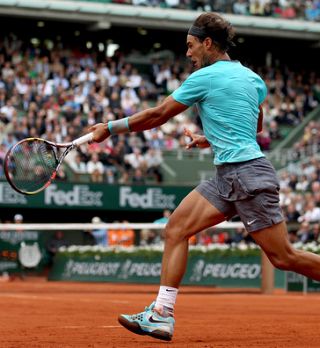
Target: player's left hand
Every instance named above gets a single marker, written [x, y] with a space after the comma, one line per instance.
[196, 140]
[100, 132]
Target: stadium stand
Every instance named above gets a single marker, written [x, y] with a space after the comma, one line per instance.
[56, 95]
[308, 10]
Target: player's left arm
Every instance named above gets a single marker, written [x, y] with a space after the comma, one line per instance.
[260, 120]
[196, 140]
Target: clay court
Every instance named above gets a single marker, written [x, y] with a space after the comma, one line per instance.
[38, 313]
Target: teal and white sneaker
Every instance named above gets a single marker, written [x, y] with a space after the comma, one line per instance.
[149, 323]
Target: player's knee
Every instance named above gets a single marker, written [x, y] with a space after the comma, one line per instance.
[285, 261]
[174, 232]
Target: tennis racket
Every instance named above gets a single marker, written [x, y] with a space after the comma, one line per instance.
[32, 164]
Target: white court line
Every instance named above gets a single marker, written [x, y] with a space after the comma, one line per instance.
[37, 297]
[281, 297]
[29, 297]
[110, 326]
[87, 327]
[72, 327]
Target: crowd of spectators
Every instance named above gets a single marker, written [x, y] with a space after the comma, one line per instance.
[300, 198]
[58, 94]
[291, 96]
[287, 9]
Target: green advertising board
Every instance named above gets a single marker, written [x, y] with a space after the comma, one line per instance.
[313, 285]
[18, 248]
[300, 283]
[27, 244]
[295, 282]
[97, 196]
[141, 267]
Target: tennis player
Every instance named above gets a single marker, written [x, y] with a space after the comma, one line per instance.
[229, 97]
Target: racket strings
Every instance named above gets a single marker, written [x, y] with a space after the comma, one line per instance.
[31, 164]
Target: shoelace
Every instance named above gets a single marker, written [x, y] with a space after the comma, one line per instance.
[139, 316]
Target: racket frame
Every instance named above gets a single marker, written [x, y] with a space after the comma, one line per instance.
[68, 147]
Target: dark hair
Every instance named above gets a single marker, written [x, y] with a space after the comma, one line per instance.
[217, 28]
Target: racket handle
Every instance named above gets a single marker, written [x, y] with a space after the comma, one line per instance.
[83, 140]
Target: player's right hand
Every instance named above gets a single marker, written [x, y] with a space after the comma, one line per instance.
[100, 132]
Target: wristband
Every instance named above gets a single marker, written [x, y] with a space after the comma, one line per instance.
[119, 126]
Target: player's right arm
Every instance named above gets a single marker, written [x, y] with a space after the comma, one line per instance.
[156, 116]
[143, 120]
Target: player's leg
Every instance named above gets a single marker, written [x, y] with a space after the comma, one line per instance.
[262, 216]
[275, 243]
[194, 214]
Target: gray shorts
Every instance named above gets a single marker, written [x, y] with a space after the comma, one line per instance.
[249, 189]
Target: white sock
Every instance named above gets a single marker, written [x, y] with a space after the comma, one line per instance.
[166, 300]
